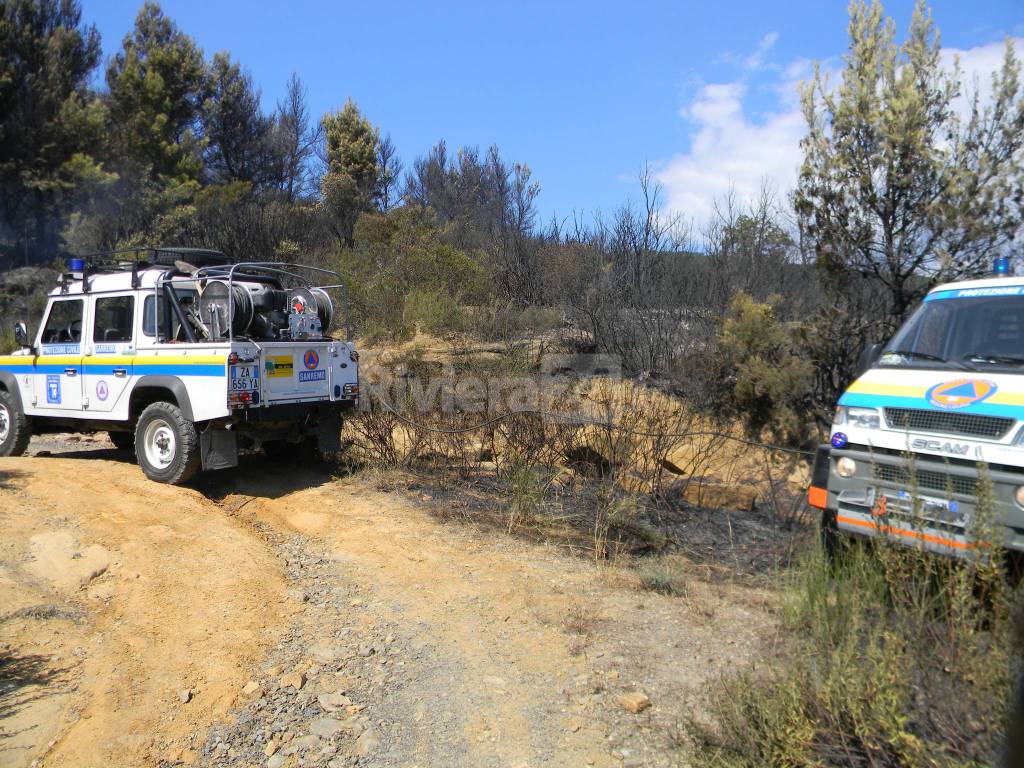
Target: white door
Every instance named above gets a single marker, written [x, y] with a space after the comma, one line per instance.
[109, 353]
[58, 367]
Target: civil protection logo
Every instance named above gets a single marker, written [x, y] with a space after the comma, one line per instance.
[311, 360]
[960, 393]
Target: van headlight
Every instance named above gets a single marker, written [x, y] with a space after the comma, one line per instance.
[865, 418]
[846, 467]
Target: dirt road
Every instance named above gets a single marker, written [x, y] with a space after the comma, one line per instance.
[276, 616]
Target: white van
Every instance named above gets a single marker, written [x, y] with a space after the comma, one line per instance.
[934, 424]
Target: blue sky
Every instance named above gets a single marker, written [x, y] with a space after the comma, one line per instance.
[584, 93]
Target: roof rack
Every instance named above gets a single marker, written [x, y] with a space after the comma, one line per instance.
[163, 256]
[136, 259]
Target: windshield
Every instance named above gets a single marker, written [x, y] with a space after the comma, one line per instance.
[972, 333]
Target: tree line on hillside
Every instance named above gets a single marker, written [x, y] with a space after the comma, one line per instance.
[763, 313]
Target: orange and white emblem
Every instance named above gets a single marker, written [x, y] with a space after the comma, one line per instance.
[960, 393]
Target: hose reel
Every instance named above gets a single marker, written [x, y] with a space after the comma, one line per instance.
[221, 304]
[264, 312]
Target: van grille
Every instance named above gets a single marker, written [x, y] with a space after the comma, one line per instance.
[919, 420]
[925, 479]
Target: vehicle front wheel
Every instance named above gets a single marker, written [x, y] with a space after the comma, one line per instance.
[830, 541]
[167, 444]
[15, 427]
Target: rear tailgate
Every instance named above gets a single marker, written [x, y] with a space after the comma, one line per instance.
[297, 371]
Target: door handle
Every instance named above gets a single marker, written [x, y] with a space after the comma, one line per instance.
[71, 371]
[120, 372]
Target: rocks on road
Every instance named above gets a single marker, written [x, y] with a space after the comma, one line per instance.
[306, 706]
[635, 701]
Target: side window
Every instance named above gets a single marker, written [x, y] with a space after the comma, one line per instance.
[114, 318]
[152, 315]
[64, 323]
[158, 319]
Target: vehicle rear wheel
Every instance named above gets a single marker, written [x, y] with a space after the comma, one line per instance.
[123, 441]
[15, 427]
[167, 444]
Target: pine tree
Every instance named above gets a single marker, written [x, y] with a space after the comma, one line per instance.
[895, 184]
[51, 125]
[352, 175]
[237, 133]
[158, 83]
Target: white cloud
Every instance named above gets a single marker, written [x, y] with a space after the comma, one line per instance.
[976, 68]
[729, 150]
[736, 149]
[756, 59]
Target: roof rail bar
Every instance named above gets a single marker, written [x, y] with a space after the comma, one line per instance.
[143, 256]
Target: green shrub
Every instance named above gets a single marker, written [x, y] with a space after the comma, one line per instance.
[527, 491]
[771, 383]
[895, 658]
[503, 320]
[7, 342]
[402, 274]
[662, 574]
[431, 310]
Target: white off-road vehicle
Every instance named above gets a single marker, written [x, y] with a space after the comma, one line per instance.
[186, 357]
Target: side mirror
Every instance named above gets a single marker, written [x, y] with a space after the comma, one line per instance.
[21, 335]
[868, 357]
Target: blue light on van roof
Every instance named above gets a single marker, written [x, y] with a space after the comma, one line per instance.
[839, 440]
[76, 265]
[1001, 267]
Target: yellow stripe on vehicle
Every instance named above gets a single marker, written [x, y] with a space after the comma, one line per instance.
[893, 390]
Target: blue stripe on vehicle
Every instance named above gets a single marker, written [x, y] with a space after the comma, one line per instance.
[38, 368]
[136, 370]
[149, 369]
[894, 401]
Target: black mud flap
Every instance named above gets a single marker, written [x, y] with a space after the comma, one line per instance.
[817, 493]
[219, 449]
[328, 434]
[822, 460]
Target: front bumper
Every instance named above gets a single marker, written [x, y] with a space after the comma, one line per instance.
[920, 500]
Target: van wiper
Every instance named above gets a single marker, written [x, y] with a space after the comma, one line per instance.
[913, 354]
[995, 359]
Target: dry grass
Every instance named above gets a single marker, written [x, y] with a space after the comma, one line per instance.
[613, 475]
[582, 618]
[666, 574]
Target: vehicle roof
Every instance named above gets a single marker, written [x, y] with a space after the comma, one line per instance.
[112, 281]
[988, 282]
[121, 280]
